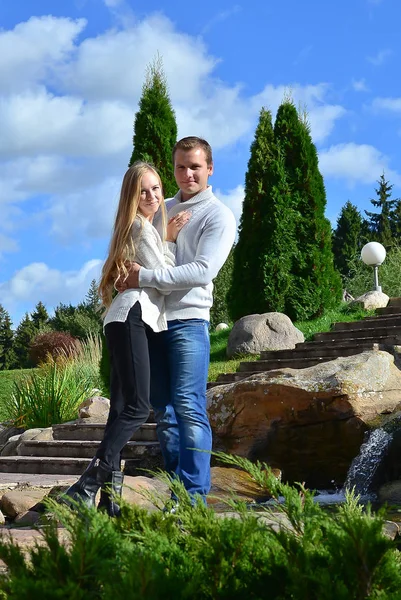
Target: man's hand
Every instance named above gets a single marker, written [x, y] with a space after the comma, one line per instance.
[132, 280]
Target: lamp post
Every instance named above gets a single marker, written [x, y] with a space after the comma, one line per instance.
[373, 254]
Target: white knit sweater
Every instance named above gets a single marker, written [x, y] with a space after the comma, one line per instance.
[150, 252]
[203, 245]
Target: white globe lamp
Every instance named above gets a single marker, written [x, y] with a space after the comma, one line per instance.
[221, 326]
[373, 254]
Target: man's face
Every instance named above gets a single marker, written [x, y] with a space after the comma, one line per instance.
[191, 171]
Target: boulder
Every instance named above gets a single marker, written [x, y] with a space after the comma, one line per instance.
[390, 493]
[140, 490]
[232, 482]
[269, 331]
[7, 432]
[95, 408]
[21, 500]
[2, 518]
[11, 447]
[28, 518]
[372, 300]
[309, 423]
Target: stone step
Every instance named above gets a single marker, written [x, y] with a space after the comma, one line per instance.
[383, 341]
[94, 432]
[396, 301]
[375, 332]
[292, 363]
[369, 323]
[303, 351]
[43, 465]
[82, 449]
[389, 310]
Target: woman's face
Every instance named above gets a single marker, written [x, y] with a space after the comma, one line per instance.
[151, 195]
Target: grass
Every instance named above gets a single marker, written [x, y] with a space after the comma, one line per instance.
[324, 323]
[7, 379]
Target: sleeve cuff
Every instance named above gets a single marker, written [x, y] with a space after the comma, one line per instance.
[145, 277]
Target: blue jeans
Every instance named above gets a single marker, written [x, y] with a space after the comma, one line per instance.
[179, 361]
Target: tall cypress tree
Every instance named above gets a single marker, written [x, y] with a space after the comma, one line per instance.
[259, 265]
[348, 237]
[7, 357]
[155, 127]
[316, 285]
[380, 223]
[396, 223]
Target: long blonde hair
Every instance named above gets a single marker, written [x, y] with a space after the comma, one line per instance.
[122, 245]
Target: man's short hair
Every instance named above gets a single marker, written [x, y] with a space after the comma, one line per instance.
[191, 142]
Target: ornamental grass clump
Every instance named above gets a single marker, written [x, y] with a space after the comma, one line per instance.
[49, 395]
[289, 549]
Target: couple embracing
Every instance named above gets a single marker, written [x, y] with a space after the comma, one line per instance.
[162, 260]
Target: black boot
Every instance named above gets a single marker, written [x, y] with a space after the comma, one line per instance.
[85, 489]
[111, 490]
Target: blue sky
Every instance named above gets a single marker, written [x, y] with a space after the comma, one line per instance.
[71, 74]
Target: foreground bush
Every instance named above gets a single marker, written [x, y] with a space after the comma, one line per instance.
[195, 554]
[51, 345]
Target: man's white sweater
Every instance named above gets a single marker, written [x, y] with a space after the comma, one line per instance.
[202, 248]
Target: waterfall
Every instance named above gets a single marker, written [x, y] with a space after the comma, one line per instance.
[364, 466]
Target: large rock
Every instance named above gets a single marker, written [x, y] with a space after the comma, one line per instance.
[96, 409]
[19, 501]
[309, 422]
[270, 331]
[372, 300]
[7, 432]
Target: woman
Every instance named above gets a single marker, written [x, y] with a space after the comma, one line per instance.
[127, 320]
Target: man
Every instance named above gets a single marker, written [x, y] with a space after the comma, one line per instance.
[179, 357]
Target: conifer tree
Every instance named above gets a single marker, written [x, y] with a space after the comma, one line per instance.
[7, 357]
[396, 223]
[40, 316]
[348, 237]
[155, 128]
[315, 285]
[24, 335]
[261, 262]
[380, 223]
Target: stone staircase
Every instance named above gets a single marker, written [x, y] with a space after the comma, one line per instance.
[380, 332]
[74, 445]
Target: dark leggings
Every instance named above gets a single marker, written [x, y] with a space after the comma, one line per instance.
[127, 344]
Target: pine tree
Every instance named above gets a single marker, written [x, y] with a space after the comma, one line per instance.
[40, 316]
[256, 273]
[396, 223]
[219, 313]
[25, 333]
[348, 237]
[380, 223]
[315, 285]
[92, 299]
[7, 357]
[155, 127]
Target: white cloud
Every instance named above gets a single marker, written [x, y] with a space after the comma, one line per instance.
[359, 85]
[37, 282]
[34, 49]
[380, 58]
[233, 199]
[220, 17]
[356, 164]
[389, 104]
[7, 244]
[38, 122]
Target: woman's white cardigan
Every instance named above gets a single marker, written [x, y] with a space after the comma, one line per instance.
[151, 253]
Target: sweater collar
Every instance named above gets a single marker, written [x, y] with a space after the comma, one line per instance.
[206, 194]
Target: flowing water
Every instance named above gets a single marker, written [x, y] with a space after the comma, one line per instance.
[362, 470]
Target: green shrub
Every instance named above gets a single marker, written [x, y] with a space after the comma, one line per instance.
[50, 345]
[49, 395]
[195, 554]
[360, 279]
